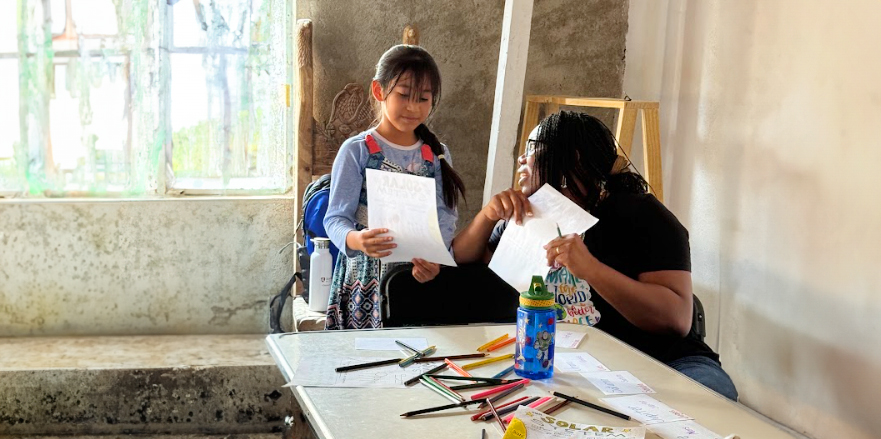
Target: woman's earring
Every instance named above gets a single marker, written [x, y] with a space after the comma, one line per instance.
[563, 184]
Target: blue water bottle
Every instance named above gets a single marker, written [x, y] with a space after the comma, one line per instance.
[536, 326]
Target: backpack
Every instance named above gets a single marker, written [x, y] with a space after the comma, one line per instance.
[315, 200]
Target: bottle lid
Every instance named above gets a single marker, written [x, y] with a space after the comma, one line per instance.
[538, 297]
[321, 243]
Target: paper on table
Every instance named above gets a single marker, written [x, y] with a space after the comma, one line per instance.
[388, 344]
[319, 372]
[683, 430]
[532, 424]
[406, 205]
[568, 339]
[617, 383]
[577, 362]
[520, 255]
[646, 409]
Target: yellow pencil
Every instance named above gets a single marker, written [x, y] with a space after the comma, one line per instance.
[490, 343]
[487, 361]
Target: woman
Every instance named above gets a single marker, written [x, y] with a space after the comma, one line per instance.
[636, 259]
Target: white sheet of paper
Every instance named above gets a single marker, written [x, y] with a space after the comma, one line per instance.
[538, 427]
[319, 372]
[617, 383]
[406, 205]
[388, 344]
[646, 409]
[683, 430]
[568, 339]
[520, 255]
[577, 362]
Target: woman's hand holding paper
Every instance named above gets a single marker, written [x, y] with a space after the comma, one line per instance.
[507, 204]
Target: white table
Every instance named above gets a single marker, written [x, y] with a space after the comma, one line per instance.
[349, 413]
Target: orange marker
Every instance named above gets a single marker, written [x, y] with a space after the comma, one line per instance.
[456, 367]
[501, 344]
[491, 342]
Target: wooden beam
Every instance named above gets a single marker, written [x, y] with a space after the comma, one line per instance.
[624, 129]
[591, 102]
[651, 141]
[305, 122]
[513, 54]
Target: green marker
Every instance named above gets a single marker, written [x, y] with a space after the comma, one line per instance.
[559, 233]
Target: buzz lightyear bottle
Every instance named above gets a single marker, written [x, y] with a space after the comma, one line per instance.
[536, 326]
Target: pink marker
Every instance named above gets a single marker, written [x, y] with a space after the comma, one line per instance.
[535, 404]
[495, 390]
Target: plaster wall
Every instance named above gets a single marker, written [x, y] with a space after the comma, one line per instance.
[164, 266]
[576, 48]
[769, 116]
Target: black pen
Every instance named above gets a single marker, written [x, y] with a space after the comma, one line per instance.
[366, 365]
[593, 406]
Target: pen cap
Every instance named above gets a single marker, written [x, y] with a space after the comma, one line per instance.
[538, 297]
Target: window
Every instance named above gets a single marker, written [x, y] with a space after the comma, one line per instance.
[146, 97]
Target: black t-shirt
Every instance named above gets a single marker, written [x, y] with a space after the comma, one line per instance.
[637, 234]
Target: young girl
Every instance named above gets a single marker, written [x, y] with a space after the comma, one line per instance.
[407, 86]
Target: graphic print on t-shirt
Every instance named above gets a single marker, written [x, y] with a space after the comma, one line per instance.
[572, 297]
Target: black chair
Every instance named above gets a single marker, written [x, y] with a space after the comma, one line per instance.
[469, 293]
[698, 319]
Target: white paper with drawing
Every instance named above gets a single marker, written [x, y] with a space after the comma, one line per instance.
[406, 205]
[520, 255]
[646, 409]
[533, 424]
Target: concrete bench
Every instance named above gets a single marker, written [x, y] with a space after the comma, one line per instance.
[170, 385]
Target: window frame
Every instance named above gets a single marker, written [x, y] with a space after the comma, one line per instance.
[163, 188]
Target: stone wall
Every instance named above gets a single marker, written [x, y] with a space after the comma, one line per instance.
[576, 48]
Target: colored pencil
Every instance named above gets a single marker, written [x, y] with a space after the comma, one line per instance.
[415, 379]
[450, 357]
[447, 388]
[504, 372]
[533, 405]
[437, 409]
[407, 347]
[511, 407]
[557, 407]
[492, 342]
[519, 386]
[491, 360]
[501, 344]
[456, 367]
[438, 390]
[593, 406]
[409, 360]
[550, 402]
[479, 415]
[473, 386]
[498, 389]
[496, 415]
[472, 378]
[366, 365]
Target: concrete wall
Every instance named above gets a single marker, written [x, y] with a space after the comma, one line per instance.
[167, 266]
[576, 48]
[769, 116]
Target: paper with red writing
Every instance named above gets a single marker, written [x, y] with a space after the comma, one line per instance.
[617, 383]
[683, 430]
[577, 362]
[646, 409]
[568, 339]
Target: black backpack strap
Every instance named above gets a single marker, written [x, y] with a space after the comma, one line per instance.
[276, 305]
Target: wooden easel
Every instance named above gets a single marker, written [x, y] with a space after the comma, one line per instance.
[539, 106]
